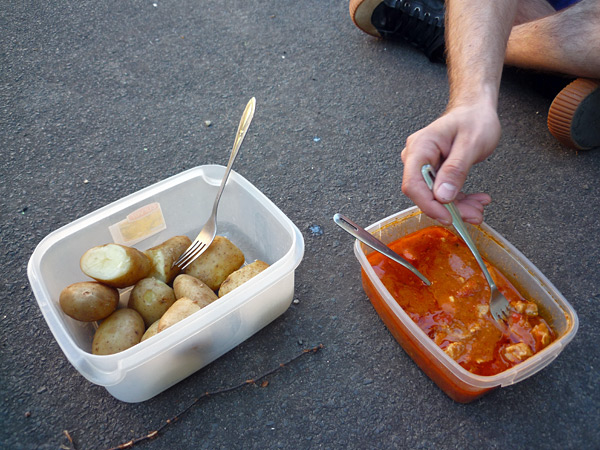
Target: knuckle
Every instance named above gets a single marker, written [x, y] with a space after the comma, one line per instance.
[407, 188]
[456, 169]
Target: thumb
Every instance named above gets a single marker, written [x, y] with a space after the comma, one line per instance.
[474, 141]
[451, 177]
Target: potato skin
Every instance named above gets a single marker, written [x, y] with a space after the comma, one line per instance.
[194, 289]
[151, 298]
[151, 331]
[181, 309]
[240, 276]
[214, 265]
[121, 330]
[115, 265]
[89, 301]
[164, 255]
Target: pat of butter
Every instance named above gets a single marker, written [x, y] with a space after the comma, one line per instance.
[140, 224]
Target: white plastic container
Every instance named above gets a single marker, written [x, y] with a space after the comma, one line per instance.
[246, 216]
[458, 383]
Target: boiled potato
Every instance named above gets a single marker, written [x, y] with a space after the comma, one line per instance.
[240, 276]
[151, 331]
[121, 330]
[88, 301]
[164, 255]
[214, 265]
[194, 289]
[182, 308]
[151, 298]
[115, 265]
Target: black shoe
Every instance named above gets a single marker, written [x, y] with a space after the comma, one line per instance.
[418, 22]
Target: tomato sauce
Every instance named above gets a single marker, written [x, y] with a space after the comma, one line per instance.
[454, 310]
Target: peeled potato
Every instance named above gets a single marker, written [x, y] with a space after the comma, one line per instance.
[121, 330]
[194, 289]
[240, 276]
[214, 265]
[182, 308]
[115, 265]
[151, 298]
[88, 301]
[151, 331]
[164, 255]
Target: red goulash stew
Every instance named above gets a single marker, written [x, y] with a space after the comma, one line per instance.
[454, 310]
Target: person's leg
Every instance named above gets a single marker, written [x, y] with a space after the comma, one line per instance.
[565, 42]
[529, 10]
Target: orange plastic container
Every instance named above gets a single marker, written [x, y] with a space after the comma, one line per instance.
[458, 383]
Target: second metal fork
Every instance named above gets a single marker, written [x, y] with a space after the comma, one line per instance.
[209, 230]
[499, 306]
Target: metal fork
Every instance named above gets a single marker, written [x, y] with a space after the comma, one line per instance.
[499, 306]
[368, 239]
[209, 230]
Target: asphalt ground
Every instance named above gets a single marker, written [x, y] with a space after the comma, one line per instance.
[101, 99]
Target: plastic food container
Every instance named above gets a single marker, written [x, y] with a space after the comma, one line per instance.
[176, 206]
[458, 383]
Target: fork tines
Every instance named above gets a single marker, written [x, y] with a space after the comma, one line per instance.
[500, 307]
[193, 251]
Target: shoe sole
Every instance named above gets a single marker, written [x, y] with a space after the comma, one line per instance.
[574, 116]
[361, 12]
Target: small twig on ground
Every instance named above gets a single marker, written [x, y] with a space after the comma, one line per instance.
[72, 445]
[153, 434]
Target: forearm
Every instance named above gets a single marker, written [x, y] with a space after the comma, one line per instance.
[477, 33]
[476, 36]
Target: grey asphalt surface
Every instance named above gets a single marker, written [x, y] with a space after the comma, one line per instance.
[101, 99]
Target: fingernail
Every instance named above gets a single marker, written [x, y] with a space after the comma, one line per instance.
[446, 192]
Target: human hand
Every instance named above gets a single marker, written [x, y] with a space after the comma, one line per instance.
[462, 137]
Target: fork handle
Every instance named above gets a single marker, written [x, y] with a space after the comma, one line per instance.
[368, 239]
[239, 138]
[429, 175]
